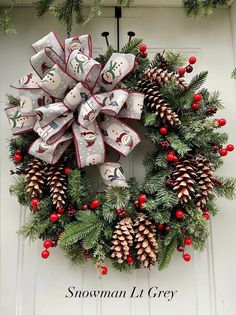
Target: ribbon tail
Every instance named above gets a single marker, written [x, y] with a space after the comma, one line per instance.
[50, 153]
[112, 174]
[89, 144]
[118, 135]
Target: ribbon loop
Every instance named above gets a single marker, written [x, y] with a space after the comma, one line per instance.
[82, 43]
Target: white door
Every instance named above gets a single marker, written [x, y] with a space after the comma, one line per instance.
[206, 285]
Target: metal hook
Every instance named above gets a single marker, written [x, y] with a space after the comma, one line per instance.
[106, 34]
[130, 34]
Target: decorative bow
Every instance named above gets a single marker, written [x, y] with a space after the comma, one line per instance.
[70, 97]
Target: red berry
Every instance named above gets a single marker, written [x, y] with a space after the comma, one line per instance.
[35, 201]
[188, 241]
[54, 243]
[142, 198]
[47, 243]
[143, 48]
[182, 71]
[143, 54]
[67, 170]
[84, 207]
[163, 131]
[60, 210]
[223, 152]
[94, 204]
[195, 106]
[206, 215]
[189, 69]
[180, 248]
[54, 217]
[187, 257]
[192, 60]
[167, 229]
[17, 157]
[179, 214]
[104, 270]
[215, 148]
[160, 227]
[221, 122]
[197, 97]
[35, 208]
[170, 157]
[45, 253]
[230, 147]
[129, 260]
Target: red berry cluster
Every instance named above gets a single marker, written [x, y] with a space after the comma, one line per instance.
[103, 269]
[189, 68]
[143, 50]
[120, 212]
[18, 157]
[223, 151]
[205, 213]
[139, 203]
[47, 244]
[196, 98]
[181, 248]
[34, 204]
[171, 157]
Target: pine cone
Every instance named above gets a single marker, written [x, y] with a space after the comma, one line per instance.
[57, 182]
[184, 178]
[145, 240]
[162, 60]
[35, 174]
[161, 77]
[205, 171]
[71, 211]
[154, 100]
[122, 240]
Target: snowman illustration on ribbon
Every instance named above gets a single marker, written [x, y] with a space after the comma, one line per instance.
[114, 70]
[121, 136]
[29, 81]
[52, 79]
[75, 43]
[89, 135]
[46, 100]
[78, 62]
[26, 104]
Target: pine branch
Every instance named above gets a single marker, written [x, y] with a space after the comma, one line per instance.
[227, 187]
[117, 196]
[165, 253]
[12, 100]
[195, 84]
[34, 227]
[95, 10]
[43, 6]
[175, 60]
[103, 59]
[73, 188]
[87, 229]
[132, 46]
[200, 8]
[18, 189]
[6, 24]
[179, 146]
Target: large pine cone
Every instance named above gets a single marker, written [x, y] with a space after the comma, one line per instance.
[57, 182]
[122, 240]
[35, 174]
[161, 77]
[205, 171]
[145, 239]
[184, 178]
[154, 100]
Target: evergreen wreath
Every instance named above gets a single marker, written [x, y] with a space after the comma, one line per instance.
[141, 224]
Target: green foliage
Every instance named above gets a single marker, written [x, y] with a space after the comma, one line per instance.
[195, 84]
[74, 253]
[88, 228]
[227, 187]
[6, 24]
[34, 227]
[233, 74]
[103, 59]
[12, 100]
[66, 11]
[175, 60]
[18, 189]
[132, 46]
[200, 8]
[180, 147]
[165, 252]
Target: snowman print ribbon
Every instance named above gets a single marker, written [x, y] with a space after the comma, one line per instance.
[70, 98]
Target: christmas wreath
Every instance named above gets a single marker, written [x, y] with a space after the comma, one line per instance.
[73, 111]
